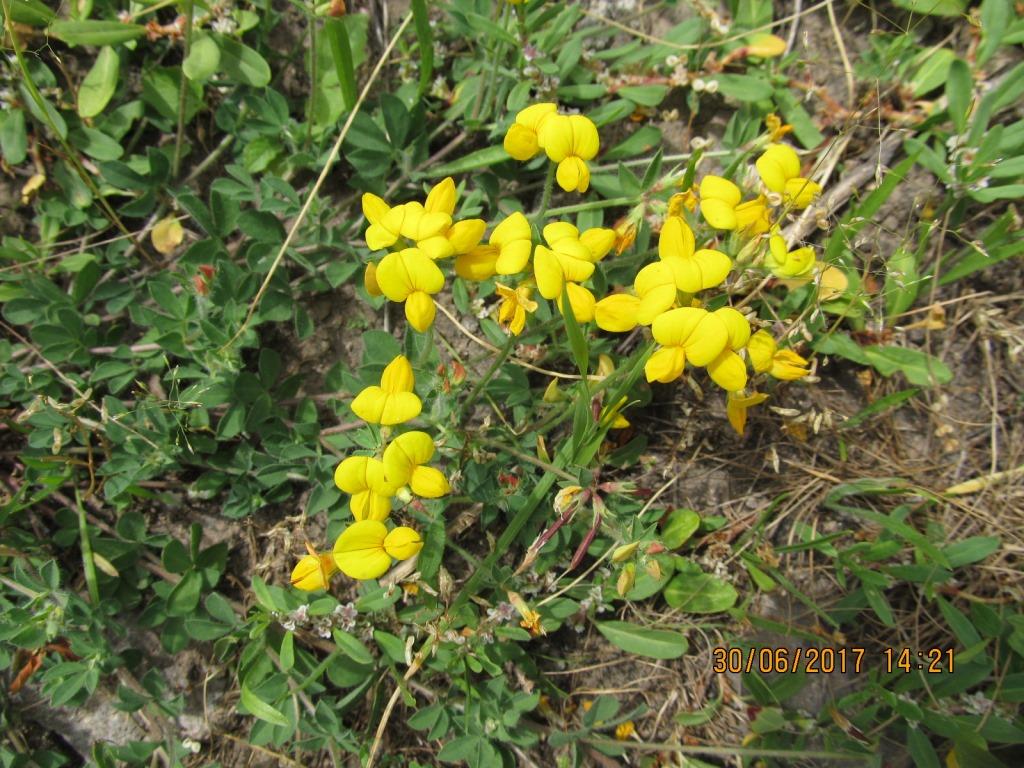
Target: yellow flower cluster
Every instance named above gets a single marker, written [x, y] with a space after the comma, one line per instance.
[365, 549]
[568, 140]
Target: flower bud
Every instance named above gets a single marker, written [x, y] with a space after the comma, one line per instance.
[626, 579]
[625, 552]
[567, 497]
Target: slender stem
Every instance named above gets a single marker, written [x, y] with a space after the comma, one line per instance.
[591, 206]
[183, 91]
[500, 358]
[549, 184]
[87, 557]
[314, 57]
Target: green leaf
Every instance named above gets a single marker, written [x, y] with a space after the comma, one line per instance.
[744, 87]
[643, 140]
[958, 93]
[577, 342]
[425, 40]
[352, 647]
[203, 58]
[881, 405]
[13, 138]
[902, 282]
[655, 643]
[1004, 192]
[185, 596]
[481, 158]
[99, 85]
[92, 32]
[971, 550]
[31, 12]
[996, 16]
[931, 69]
[681, 525]
[933, 7]
[700, 593]
[242, 64]
[161, 89]
[288, 651]
[919, 367]
[260, 709]
[647, 95]
[341, 54]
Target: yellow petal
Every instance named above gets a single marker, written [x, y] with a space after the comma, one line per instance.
[424, 274]
[313, 572]
[703, 335]
[429, 483]
[676, 239]
[360, 473]
[442, 197]
[617, 313]
[513, 257]
[478, 264]
[419, 224]
[402, 543]
[718, 188]
[513, 227]
[665, 365]
[656, 302]
[374, 208]
[761, 349]
[555, 136]
[398, 375]
[547, 271]
[556, 232]
[674, 327]
[466, 235]
[800, 193]
[420, 310]
[521, 142]
[736, 406]
[370, 280]
[718, 214]
[736, 326]
[714, 267]
[585, 141]
[766, 46]
[436, 247]
[599, 241]
[368, 505]
[534, 115]
[777, 165]
[359, 550]
[573, 175]
[728, 371]
[833, 283]
[787, 365]
[582, 302]
[752, 217]
[404, 454]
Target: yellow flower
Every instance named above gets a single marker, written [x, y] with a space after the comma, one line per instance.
[516, 302]
[624, 730]
[365, 478]
[514, 240]
[693, 270]
[393, 402]
[776, 128]
[766, 357]
[568, 259]
[687, 334]
[582, 302]
[656, 292]
[411, 276]
[728, 370]
[385, 222]
[617, 313]
[736, 406]
[313, 571]
[530, 618]
[364, 550]
[404, 463]
[460, 237]
[570, 140]
[521, 139]
[788, 264]
[683, 201]
[721, 207]
[779, 168]
[612, 414]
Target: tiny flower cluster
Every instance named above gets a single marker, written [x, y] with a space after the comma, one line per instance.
[366, 548]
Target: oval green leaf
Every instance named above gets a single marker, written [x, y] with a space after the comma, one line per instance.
[700, 593]
[99, 85]
[242, 64]
[92, 32]
[681, 525]
[654, 643]
[259, 708]
[202, 60]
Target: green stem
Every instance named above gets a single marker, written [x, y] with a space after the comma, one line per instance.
[549, 184]
[179, 138]
[502, 355]
[524, 37]
[87, 558]
[613, 202]
[314, 75]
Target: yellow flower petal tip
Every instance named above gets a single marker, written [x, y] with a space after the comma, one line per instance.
[313, 572]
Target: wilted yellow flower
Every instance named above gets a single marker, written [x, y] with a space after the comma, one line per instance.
[313, 571]
[624, 730]
[736, 406]
[411, 276]
[530, 618]
[521, 139]
[569, 140]
[693, 271]
[364, 550]
[683, 201]
[728, 370]
[779, 168]
[370, 280]
[515, 304]
[787, 365]
[766, 46]
[776, 128]
[785, 263]
[393, 402]
[685, 334]
[365, 478]
[405, 461]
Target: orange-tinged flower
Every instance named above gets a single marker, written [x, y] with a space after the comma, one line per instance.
[313, 571]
